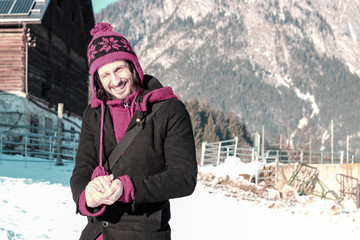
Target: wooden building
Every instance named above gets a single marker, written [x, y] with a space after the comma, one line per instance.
[43, 54]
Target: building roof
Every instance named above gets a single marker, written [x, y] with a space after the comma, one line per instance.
[14, 12]
[18, 11]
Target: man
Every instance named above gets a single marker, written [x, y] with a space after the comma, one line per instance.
[130, 200]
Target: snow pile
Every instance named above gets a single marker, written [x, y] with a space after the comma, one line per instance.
[231, 179]
[233, 167]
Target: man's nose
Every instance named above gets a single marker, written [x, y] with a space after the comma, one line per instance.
[115, 79]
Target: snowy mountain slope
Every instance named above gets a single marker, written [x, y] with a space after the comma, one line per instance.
[273, 62]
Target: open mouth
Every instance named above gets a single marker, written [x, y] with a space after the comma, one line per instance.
[120, 88]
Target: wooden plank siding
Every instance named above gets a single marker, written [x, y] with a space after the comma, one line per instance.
[54, 70]
[12, 60]
[79, 81]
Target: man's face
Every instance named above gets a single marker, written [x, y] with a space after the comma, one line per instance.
[117, 79]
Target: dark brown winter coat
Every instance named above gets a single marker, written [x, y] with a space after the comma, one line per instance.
[160, 161]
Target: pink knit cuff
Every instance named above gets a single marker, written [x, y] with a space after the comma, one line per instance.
[128, 189]
[84, 209]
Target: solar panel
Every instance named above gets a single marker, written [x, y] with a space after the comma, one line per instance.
[5, 6]
[15, 7]
[22, 6]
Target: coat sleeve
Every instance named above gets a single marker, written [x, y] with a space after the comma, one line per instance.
[179, 178]
[85, 160]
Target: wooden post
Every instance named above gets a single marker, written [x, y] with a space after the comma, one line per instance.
[26, 149]
[59, 134]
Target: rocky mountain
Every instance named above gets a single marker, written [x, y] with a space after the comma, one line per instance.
[291, 66]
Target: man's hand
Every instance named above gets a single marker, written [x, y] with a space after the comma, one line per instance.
[103, 190]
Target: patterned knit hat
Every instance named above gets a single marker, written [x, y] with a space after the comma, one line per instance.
[107, 46]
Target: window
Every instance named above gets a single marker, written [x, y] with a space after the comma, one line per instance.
[44, 91]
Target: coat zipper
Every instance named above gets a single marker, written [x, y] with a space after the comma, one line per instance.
[125, 104]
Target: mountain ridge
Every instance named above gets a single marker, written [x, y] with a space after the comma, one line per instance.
[274, 63]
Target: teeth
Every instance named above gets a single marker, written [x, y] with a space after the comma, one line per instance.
[120, 87]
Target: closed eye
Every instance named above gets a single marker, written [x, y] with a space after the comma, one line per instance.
[104, 75]
[119, 69]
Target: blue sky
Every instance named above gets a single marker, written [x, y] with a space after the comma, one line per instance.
[98, 5]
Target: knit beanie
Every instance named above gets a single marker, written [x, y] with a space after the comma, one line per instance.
[107, 46]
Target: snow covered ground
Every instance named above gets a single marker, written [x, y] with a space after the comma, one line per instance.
[36, 203]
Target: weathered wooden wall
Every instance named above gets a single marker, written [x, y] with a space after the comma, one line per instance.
[55, 70]
[58, 70]
[12, 60]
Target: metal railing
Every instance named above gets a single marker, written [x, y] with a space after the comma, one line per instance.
[32, 146]
[216, 152]
[267, 164]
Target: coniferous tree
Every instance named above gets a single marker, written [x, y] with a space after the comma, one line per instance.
[239, 130]
[210, 131]
[208, 111]
[221, 125]
[212, 126]
[246, 137]
[196, 120]
[234, 125]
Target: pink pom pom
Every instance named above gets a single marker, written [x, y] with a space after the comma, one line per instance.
[101, 27]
